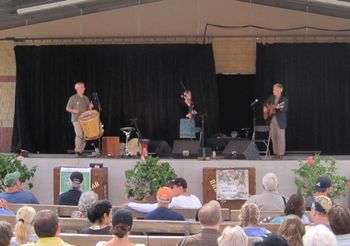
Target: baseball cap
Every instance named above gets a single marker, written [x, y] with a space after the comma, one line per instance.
[322, 183]
[322, 204]
[11, 179]
[164, 194]
[76, 177]
[122, 216]
[179, 182]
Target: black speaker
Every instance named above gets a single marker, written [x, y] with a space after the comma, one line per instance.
[241, 149]
[185, 148]
[159, 148]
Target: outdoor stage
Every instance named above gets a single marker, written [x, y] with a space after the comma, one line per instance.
[190, 169]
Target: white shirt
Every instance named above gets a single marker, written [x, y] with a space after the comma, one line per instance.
[189, 202]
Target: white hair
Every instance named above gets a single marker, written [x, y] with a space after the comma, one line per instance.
[78, 84]
[270, 182]
[319, 235]
[233, 236]
[86, 199]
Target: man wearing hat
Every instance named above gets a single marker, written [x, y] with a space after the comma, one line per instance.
[72, 196]
[14, 192]
[322, 188]
[164, 197]
[319, 211]
[181, 199]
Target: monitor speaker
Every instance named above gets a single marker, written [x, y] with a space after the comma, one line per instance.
[185, 148]
[241, 149]
[159, 148]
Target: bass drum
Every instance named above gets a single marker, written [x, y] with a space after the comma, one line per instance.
[134, 146]
[91, 125]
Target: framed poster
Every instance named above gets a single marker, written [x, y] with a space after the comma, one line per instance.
[66, 183]
[232, 184]
[210, 186]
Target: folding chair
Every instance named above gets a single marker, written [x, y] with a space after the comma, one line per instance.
[258, 137]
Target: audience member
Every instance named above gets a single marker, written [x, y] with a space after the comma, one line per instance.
[270, 199]
[122, 223]
[24, 229]
[323, 187]
[210, 221]
[319, 210]
[339, 220]
[72, 196]
[319, 235]
[295, 205]
[272, 240]
[14, 192]
[6, 233]
[293, 230]
[47, 229]
[249, 218]
[4, 208]
[233, 236]
[99, 214]
[164, 197]
[182, 198]
[86, 200]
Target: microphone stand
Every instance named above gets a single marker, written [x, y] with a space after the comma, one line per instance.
[134, 123]
[254, 120]
[99, 109]
[202, 148]
[202, 130]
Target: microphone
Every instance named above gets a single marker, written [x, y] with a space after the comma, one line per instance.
[94, 94]
[254, 102]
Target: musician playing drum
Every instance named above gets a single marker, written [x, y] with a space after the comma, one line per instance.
[78, 104]
[275, 113]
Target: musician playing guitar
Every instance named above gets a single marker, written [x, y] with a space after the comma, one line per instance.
[275, 113]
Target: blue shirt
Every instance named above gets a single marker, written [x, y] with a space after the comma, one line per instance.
[256, 231]
[19, 197]
[6, 212]
[163, 214]
[280, 219]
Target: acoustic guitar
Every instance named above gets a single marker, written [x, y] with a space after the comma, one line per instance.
[271, 109]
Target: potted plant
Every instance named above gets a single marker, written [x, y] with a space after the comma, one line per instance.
[12, 163]
[312, 168]
[144, 180]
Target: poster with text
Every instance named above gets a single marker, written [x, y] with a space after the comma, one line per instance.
[232, 184]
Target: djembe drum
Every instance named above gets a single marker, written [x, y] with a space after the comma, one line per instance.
[91, 125]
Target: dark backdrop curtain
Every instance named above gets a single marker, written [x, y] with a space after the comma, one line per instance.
[140, 81]
[316, 78]
[236, 93]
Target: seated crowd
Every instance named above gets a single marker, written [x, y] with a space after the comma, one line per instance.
[327, 224]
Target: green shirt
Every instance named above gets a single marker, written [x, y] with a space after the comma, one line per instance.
[80, 103]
